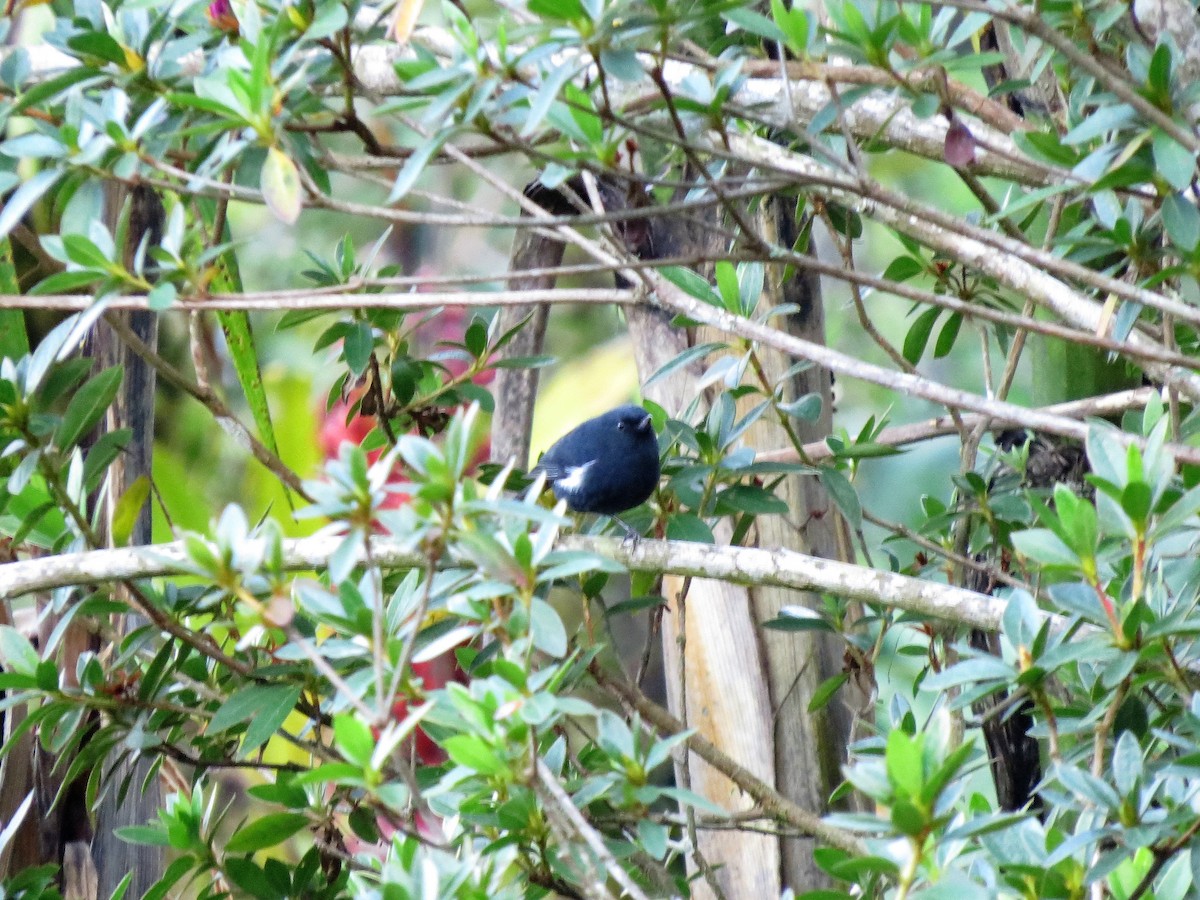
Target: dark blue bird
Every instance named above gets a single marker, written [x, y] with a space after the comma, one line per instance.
[607, 465]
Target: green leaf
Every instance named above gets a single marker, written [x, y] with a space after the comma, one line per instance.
[568, 10]
[621, 64]
[754, 23]
[1046, 145]
[103, 452]
[276, 707]
[264, 706]
[689, 527]
[87, 406]
[691, 283]
[825, 691]
[1045, 547]
[546, 629]
[66, 282]
[45, 90]
[1087, 787]
[1173, 161]
[327, 19]
[903, 268]
[1182, 222]
[1101, 121]
[357, 347]
[792, 622]
[843, 495]
[100, 45]
[470, 751]
[1136, 501]
[243, 351]
[266, 832]
[353, 738]
[1178, 513]
[918, 335]
[14, 342]
[936, 783]
[162, 296]
[865, 450]
[907, 818]
[1078, 517]
[749, 498]
[727, 285]
[24, 197]
[1158, 77]
[947, 336]
[249, 878]
[16, 653]
[127, 510]
[794, 24]
[806, 408]
[149, 835]
[1127, 764]
[688, 356]
[548, 93]
[905, 766]
[415, 164]
[174, 872]
[280, 185]
[82, 251]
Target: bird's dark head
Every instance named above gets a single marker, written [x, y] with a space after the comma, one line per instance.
[633, 421]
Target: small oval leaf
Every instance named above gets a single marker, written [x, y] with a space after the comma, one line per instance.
[281, 186]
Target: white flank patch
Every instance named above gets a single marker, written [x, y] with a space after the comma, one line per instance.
[574, 480]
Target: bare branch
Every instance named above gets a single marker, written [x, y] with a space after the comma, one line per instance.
[1021, 268]
[672, 298]
[569, 821]
[771, 801]
[900, 435]
[315, 298]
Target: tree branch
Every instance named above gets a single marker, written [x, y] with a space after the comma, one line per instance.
[739, 565]
[315, 299]
[672, 298]
[771, 801]
[900, 435]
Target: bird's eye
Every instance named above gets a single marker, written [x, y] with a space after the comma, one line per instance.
[621, 426]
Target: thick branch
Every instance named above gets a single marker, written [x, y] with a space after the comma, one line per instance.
[740, 565]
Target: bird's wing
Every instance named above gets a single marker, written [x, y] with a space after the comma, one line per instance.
[552, 470]
[572, 480]
[560, 459]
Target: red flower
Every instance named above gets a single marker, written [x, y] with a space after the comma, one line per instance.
[220, 13]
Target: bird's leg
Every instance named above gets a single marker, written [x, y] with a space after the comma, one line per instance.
[632, 535]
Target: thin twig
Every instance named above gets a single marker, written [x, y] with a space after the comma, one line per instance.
[769, 800]
[211, 402]
[553, 796]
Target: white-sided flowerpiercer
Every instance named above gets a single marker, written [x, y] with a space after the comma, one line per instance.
[607, 465]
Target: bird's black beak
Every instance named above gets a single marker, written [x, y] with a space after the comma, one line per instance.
[644, 425]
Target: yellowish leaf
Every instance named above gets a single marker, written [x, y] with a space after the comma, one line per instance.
[404, 19]
[125, 515]
[133, 59]
[281, 186]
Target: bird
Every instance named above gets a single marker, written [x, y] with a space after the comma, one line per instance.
[607, 465]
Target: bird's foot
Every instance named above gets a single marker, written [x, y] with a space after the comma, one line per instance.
[632, 535]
